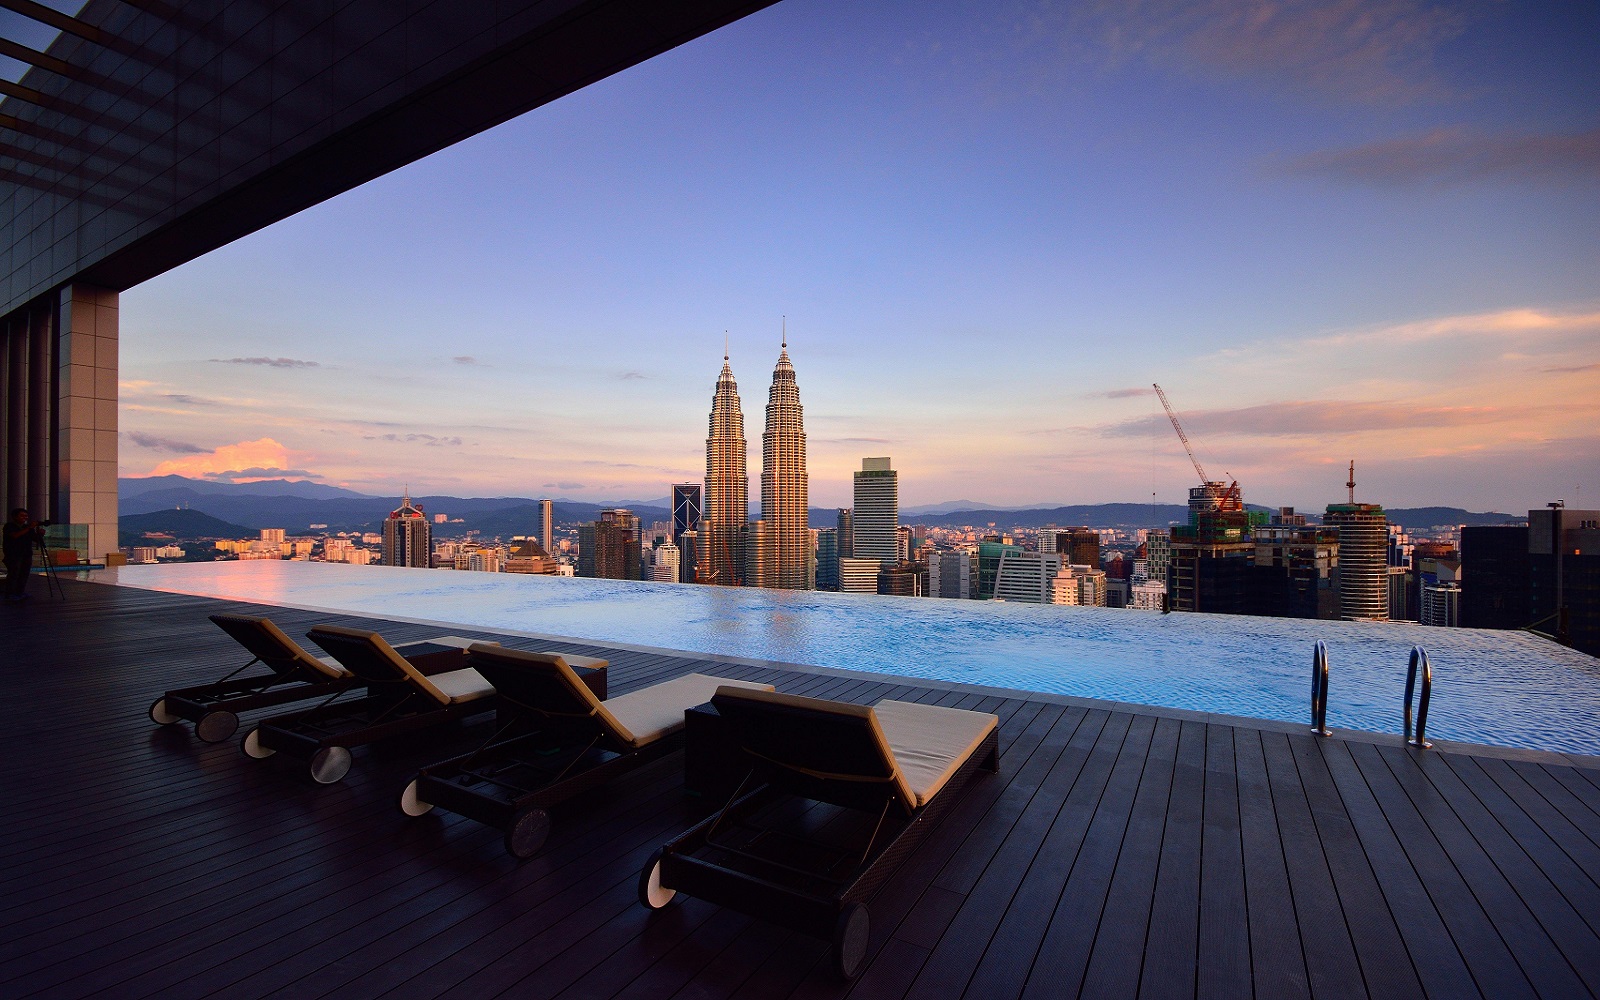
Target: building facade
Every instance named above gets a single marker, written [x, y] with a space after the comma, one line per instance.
[1363, 560]
[876, 514]
[785, 487]
[1027, 577]
[951, 574]
[407, 536]
[727, 496]
[828, 559]
[547, 526]
[859, 576]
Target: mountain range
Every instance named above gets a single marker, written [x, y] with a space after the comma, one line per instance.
[296, 504]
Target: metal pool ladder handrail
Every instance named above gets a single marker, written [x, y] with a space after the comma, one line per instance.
[1419, 656]
[1319, 689]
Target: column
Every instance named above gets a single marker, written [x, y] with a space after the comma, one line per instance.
[16, 470]
[40, 319]
[86, 413]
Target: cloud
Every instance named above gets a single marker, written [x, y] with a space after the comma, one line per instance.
[255, 475]
[263, 456]
[563, 486]
[1362, 50]
[427, 439]
[1573, 370]
[268, 362]
[1507, 323]
[464, 359]
[1138, 390]
[163, 444]
[1320, 417]
[1449, 156]
[854, 440]
[629, 376]
[188, 400]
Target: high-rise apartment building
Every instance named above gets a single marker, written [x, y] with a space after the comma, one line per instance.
[1363, 560]
[727, 496]
[407, 536]
[785, 490]
[1026, 577]
[828, 559]
[847, 533]
[859, 576]
[664, 567]
[547, 525]
[686, 508]
[1079, 546]
[876, 515]
[608, 549]
[952, 574]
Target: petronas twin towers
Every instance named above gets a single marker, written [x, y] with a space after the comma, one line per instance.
[774, 551]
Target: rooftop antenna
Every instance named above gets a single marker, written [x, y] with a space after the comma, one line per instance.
[1351, 485]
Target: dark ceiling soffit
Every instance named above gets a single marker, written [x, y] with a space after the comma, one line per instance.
[59, 21]
[594, 41]
[23, 54]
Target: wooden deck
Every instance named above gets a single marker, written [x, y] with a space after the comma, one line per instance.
[1116, 854]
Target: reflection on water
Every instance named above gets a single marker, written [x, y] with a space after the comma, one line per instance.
[1490, 687]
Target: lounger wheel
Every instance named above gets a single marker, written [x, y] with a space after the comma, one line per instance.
[410, 804]
[850, 933]
[251, 745]
[527, 832]
[330, 764]
[214, 727]
[159, 714]
[652, 893]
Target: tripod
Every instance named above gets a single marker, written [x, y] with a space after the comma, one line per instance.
[52, 582]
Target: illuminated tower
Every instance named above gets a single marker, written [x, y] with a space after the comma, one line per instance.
[727, 497]
[407, 536]
[785, 494]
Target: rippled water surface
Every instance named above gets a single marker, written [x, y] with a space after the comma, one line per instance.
[1506, 688]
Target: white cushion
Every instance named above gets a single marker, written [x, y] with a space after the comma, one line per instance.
[462, 685]
[645, 716]
[930, 742]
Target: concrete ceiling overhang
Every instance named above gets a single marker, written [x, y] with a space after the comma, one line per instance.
[150, 132]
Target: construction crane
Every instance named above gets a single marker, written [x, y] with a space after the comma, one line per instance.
[1181, 435]
[1351, 485]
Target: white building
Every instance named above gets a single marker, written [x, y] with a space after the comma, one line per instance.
[950, 574]
[859, 576]
[1148, 595]
[664, 568]
[876, 517]
[1441, 604]
[1026, 577]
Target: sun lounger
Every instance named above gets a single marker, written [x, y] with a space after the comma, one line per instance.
[565, 741]
[294, 675]
[406, 694]
[838, 795]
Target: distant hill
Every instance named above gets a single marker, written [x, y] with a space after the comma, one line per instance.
[148, 485]
[183, 525]
[1428, 517]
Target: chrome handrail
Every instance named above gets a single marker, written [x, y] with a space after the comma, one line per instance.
[1419, 656]
[1319, 689]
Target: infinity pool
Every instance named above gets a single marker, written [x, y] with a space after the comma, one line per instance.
[1505, 688]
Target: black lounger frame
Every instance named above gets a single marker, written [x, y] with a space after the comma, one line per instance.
[708, 862]
[390, 708]
[509, 783]
[214, 708]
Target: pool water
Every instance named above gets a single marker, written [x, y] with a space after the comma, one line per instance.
[1505, 688]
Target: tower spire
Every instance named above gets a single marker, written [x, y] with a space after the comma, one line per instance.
[1351, 485]
[786, 333]
[724, 345]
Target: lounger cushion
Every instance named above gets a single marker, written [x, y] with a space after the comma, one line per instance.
[644, 716]
[930, 743]
[462, 685]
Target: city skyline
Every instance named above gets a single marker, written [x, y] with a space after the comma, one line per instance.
[1327, 238]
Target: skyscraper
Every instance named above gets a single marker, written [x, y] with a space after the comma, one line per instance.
[785, 491]
[685, 510]
[1363, 560]
[847, 533]
[876, 514]
[727, 498]
[407, 536]
[547, 521]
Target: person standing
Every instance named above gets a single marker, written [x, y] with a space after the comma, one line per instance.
[21, 538]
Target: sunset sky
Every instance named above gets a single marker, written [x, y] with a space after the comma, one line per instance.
[1330, 230]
